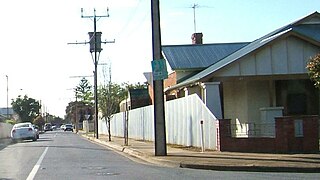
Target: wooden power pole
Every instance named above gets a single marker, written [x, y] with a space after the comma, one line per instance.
[159, 114]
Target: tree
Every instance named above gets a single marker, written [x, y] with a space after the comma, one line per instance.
[84, 91]
[313, 67]
[39, 121]
[138, 85]
[84, 100]
[109, 96]
[27, 108]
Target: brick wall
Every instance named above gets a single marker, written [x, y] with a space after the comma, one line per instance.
[284, 142]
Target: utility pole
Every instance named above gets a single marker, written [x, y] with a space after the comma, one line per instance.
[95, 47]
[159, 114]
[7, 96]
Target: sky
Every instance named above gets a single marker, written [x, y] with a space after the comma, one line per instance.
[39, 62]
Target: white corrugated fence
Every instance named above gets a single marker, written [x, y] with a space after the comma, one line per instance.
[183, 118]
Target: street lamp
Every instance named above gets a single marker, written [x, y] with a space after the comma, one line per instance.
[7, 96]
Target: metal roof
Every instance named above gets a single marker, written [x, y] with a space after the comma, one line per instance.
[310, 31]
[198, 56]
[4, 111]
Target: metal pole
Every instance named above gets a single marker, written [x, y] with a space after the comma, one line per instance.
[7, 96]
[95, 75]
[202, 136]
[159, 114]
[194, 17]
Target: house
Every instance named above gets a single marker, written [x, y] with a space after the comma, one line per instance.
[251, 82]
[136, 98]
[190, 59]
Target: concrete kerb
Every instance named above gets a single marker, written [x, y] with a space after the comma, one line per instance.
[4, 142]
[162, 161]
[252, 168]
[134, 153]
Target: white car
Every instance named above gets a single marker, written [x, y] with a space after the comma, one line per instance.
[23, 131]
[63, 127]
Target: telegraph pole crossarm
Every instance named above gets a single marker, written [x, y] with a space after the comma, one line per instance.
[85, 42]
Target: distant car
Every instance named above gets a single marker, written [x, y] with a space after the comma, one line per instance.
[23, 131]
[47, 127]
[63, 127]
[68, 127]
[36, 128]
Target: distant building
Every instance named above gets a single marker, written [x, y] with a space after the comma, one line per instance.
[136, 98]
[6, 113]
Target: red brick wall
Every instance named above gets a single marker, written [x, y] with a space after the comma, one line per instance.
[228, 143]
[284, 142]
[285, 134]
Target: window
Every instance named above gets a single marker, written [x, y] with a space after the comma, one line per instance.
[298, 128]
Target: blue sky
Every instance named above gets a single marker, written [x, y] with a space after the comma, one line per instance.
[34, 35]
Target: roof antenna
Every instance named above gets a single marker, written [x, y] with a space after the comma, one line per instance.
[194, 7]
[194, 16]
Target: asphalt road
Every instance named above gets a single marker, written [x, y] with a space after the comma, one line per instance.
[65, 155]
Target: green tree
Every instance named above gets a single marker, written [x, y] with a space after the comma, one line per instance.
[137, 85]
[109, 96]
[27, 108]
[313, 67]
[39, 121]
[83, 91]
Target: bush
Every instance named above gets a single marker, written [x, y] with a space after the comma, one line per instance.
[11, 121]
[313, 67]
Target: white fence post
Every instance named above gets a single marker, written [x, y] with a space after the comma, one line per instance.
[202, 137]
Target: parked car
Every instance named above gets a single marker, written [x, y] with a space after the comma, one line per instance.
[63, 127]
[47, 127]
[23, 131]
[54, 127]
[36, 128]
[68, 127]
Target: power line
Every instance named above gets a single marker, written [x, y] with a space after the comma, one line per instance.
[134, 12]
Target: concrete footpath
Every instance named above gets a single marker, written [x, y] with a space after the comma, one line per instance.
[186, 157]
[4, 142]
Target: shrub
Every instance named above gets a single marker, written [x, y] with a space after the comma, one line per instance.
[313, 67]
[11, 121]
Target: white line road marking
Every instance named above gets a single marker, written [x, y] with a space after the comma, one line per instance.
[37, 166]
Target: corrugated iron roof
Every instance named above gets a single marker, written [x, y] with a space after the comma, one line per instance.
[310, 31]
[198, 56]
[4, 111]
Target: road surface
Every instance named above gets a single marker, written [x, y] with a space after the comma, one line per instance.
[65, 155]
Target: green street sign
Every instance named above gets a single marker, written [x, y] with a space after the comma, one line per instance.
[159, 69]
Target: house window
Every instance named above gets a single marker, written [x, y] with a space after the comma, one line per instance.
[298, 128]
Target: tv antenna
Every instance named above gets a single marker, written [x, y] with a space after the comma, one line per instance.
[194, 7]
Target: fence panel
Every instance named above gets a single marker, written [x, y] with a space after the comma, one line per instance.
[183, 118]
[5, 130]
[253, 130]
